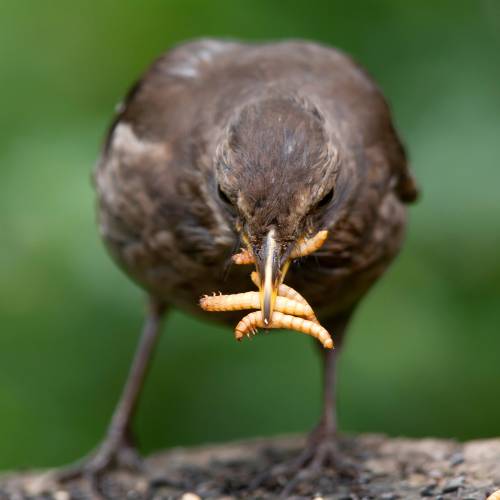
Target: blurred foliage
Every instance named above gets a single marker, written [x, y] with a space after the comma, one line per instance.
[422, 355]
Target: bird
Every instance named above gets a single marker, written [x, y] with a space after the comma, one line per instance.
[224, 142]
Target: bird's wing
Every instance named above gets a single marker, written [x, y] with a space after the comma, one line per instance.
[405, 184]
[362, 105]
[151, 193]
[164, 103]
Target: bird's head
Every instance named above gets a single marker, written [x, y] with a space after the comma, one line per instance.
[277, 172]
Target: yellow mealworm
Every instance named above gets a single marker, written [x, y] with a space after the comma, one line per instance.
[279, 320]
[304, 247]
[251, 300]
[244, 257]
[234, 302]
[289, 293]
[494, 496]
[309, 245]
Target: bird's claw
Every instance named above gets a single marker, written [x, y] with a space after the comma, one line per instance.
[319, 456]
[110, 455]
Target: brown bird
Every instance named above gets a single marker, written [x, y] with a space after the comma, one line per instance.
[222, 142]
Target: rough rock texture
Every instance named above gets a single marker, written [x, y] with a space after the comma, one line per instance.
[375, 467]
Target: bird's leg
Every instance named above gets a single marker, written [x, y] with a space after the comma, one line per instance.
[320, 445]
[117, 449]
[320, 450]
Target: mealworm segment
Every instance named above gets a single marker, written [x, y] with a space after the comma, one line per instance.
[291, 310]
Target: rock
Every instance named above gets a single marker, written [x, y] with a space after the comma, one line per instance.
[190, 496]
[453, 485]
[456, 459]
[428, 491]
[375, 467]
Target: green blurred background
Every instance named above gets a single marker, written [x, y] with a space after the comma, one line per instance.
[422, 355]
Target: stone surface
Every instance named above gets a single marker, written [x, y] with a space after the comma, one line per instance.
[379, 468]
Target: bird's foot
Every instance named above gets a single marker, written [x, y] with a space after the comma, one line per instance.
[319, 457]
[112, 454]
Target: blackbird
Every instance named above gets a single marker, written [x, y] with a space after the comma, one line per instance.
[222, 142]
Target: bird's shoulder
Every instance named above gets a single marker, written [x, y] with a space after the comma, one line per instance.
[187, 89]
[186, 82]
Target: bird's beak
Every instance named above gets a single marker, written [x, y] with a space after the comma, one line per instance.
[271, 274]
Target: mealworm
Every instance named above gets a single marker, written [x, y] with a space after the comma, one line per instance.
[494, 496]
[251, 300]
[304, 247]
[279, 320]
[243, 257]
[289, 293]
[309, 245]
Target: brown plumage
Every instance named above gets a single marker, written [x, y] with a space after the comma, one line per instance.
[274, 128]
[222, 142]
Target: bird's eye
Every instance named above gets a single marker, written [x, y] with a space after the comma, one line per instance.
[223, 196]
[326, 199]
